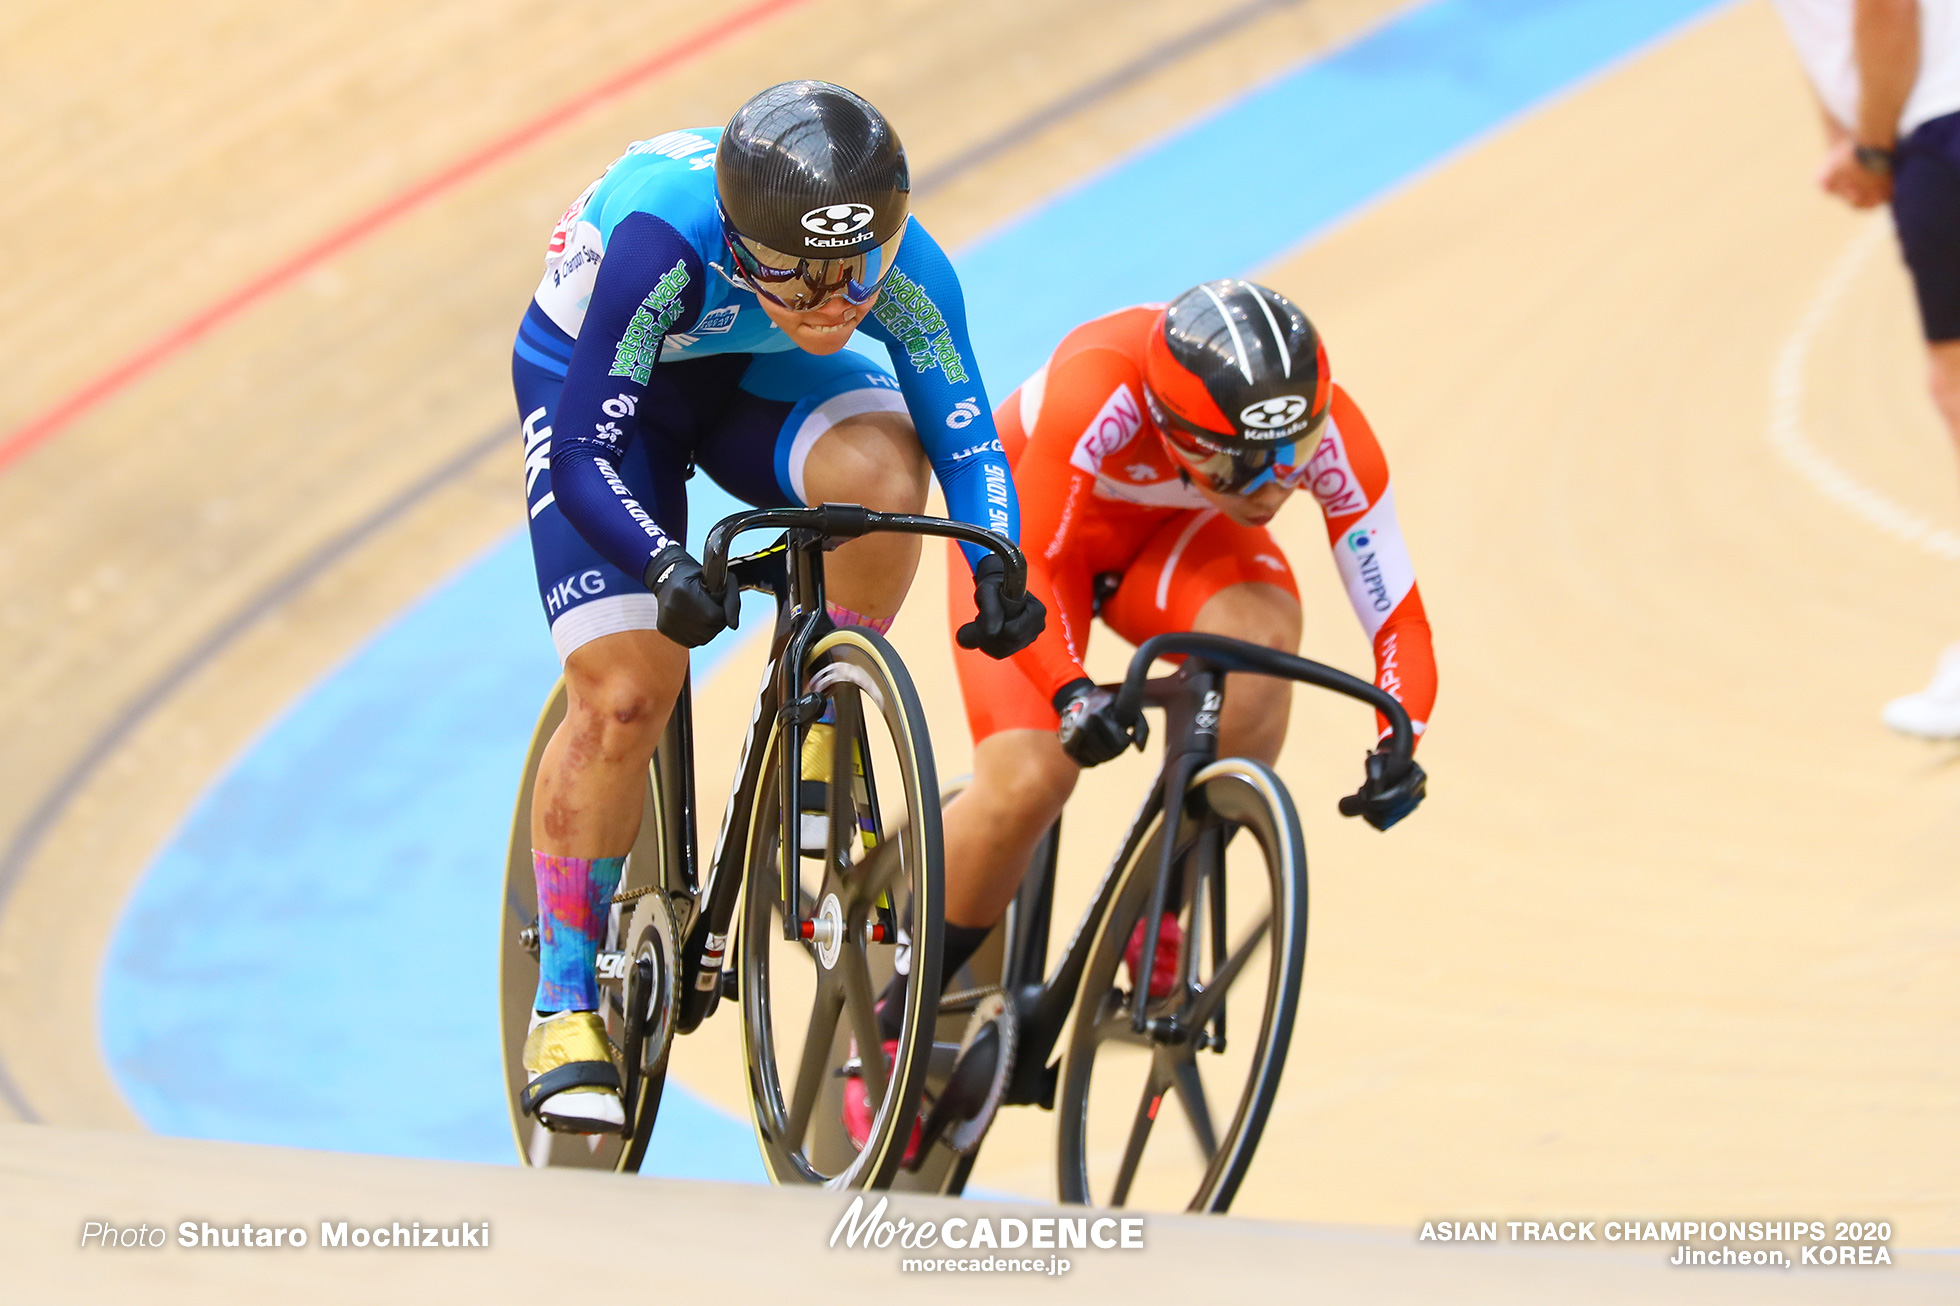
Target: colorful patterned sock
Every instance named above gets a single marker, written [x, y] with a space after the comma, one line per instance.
[574, 895]
[843, 616]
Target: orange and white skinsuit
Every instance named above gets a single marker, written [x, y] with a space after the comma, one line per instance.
[1100, 497]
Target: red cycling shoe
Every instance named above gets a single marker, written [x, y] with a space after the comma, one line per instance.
[857, 1106]
[1163, 967]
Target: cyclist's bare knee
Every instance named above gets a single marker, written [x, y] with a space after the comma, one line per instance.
[1254, 612]
[875, 460]
[1024, 777]
[620, 689]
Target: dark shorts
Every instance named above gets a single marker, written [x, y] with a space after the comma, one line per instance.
[747, 420]
[1926, 208]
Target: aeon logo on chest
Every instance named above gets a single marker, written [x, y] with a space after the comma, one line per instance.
[1113, 426]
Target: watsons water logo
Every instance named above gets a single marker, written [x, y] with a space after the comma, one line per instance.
[639, 345]
[908, 312]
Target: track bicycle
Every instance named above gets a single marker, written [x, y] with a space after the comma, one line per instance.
[838, 881]
[1218, 843]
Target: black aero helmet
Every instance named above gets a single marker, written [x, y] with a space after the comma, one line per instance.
[1235, 376]
[814, 194]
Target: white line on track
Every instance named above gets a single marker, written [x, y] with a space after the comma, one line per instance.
[1786, 413]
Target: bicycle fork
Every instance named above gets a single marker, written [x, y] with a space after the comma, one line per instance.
[1199, 727]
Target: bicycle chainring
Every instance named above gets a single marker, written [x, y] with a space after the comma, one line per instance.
[655, 942]
[993, 1012]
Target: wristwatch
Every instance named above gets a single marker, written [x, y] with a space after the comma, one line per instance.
[1873, 159]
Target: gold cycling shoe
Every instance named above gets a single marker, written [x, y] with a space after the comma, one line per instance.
[574, 1083]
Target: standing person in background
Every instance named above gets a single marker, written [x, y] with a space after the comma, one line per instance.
[1887, 73]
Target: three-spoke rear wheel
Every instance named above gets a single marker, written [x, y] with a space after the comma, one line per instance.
[1169, 1115]
[868, 886]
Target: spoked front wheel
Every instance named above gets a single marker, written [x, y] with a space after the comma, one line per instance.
[867, 888]
[1169, 1116]
[638, 976]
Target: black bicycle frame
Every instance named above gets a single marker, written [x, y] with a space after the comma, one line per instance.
[792, 571]
[1191, 699]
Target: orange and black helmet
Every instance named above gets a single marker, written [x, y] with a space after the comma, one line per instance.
[1236, 380]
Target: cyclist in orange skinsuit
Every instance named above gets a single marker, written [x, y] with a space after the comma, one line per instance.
[1150, 452]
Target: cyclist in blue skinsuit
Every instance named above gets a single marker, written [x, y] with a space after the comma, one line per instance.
[694, 311]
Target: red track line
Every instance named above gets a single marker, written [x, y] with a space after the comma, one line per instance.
[40, 427]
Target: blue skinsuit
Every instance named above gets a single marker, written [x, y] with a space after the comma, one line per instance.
[639, 359]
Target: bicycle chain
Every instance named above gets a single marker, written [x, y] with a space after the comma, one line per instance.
[634, 895]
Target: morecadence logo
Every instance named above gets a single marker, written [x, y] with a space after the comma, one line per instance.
[876, 1230]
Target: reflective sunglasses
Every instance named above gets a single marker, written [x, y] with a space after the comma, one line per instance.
[800, 284]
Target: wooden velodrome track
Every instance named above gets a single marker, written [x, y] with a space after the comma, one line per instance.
[1676, 932]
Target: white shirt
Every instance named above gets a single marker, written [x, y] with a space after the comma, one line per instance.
[1821, 31]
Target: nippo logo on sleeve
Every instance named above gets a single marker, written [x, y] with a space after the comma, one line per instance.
[1273, 414]
[838, 219]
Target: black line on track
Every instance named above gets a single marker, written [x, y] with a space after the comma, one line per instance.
[1155, 59]
[29, 836]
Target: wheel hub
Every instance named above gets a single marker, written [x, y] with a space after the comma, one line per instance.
[827, 930]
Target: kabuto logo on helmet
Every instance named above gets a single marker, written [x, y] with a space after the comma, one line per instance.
[838, 219]
[1273, 414]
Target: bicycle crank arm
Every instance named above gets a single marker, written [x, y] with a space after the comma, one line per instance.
[965, 1094]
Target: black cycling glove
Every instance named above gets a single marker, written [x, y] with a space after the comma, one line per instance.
[689, 614]
[1380, 802]
[1000, 628]
[1092, 731]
